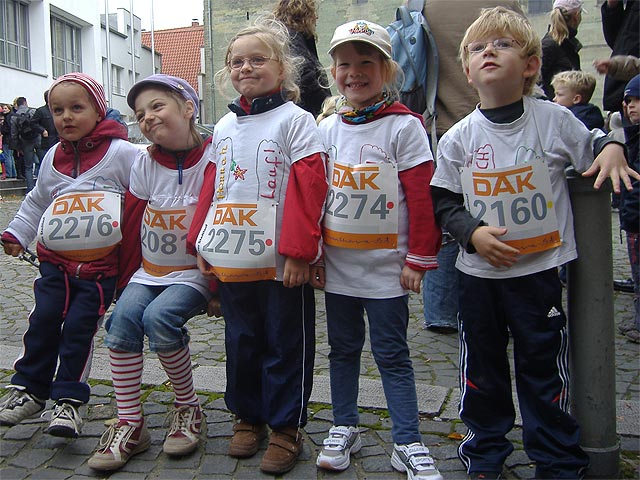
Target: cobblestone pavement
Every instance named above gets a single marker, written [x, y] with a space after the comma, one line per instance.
[26, 452]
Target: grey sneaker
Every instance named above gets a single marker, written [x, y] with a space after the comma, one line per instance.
[338, 447]
[65, 420]
[187, 425]
[18, 405]
[415, 459]
[118, 444]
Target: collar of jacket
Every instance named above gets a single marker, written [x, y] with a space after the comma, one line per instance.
[259, 105]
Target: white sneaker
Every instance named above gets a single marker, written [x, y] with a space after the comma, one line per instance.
[18, 405]
[65, 420]
[118, 444]
[338, 447]
[416, 461]
[187, 425]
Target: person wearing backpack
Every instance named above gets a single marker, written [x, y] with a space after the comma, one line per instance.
[24, 133]
[42, 116]
[455, 99]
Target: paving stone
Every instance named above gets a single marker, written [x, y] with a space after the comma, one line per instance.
[21, 432]
[30, 458]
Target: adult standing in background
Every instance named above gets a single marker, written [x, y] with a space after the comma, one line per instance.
[454, 100]
[49, 138]
[560, 47]
[7, 149]
[24, 150]
[300, 17]
[621, 29]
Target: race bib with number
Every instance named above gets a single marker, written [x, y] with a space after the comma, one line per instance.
[517, 198]
[238, 241]
[362, 206]
[164, 240]
[82, 226]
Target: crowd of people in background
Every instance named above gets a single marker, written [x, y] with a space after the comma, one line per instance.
[177, 210]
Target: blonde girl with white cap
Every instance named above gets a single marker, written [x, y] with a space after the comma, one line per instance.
[380, 237]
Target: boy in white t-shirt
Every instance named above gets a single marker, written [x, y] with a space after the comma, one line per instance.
[500, 189]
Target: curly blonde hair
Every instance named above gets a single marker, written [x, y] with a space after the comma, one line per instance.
[275, 37]
[499, 21]
[298, 15]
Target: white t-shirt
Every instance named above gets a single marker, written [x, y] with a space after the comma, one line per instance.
[253, 156]
[400, 140]
[166, 221]
[111, 174]
[545, 130]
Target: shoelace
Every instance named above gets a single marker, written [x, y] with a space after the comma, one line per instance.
[180, 420]
[63, 410]
[14, 396]
[112, 436]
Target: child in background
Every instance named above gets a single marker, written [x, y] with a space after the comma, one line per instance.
[508, 263]
[264, 192]
[167, 289]
[630, 203]
[75, 212]
[380, 237]
[573, 89]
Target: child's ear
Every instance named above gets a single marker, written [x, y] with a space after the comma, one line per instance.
[577, 99]
[466, 72]
[189, 108]
[533, 66]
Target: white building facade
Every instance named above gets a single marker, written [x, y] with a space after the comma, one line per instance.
[43, 39]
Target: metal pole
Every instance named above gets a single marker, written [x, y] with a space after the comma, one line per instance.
[133, 43]
[153, 44]
[591, 327]
[108, 45]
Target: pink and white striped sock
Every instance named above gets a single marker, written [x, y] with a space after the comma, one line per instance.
[178, 367]
[126, 372]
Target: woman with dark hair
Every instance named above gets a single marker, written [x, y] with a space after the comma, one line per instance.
[300, 16]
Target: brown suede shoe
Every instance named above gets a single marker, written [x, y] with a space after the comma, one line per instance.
[246, 439]
[282, 453]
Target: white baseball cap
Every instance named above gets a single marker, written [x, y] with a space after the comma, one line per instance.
[569, 5]
[362, 31]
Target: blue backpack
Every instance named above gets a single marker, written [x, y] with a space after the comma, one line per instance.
[414, 48]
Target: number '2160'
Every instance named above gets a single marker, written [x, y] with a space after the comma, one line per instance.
[521, 210]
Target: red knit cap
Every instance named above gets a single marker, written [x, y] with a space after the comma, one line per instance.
[90, 84]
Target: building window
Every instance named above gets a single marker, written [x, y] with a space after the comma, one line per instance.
[14, 34]
[116, 80]
[65, 47]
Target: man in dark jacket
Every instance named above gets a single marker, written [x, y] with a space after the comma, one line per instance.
[620, 27]
[24, 148]
[49, 137]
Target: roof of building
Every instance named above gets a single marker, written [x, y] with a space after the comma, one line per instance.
[180, 49]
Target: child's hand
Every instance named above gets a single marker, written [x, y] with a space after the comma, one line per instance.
[497, 253]
[13, 249]
[214, 307]
[296, 272]
[410, 279]
[612, 164]
[316, 276]
[204, 267]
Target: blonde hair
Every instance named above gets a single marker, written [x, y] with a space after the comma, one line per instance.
[560, 20]
[328, 108]
[391, 73]
[498, 21]
[582, 83]
[298, 15]
[273, 35]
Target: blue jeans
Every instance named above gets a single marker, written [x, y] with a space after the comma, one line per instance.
[9, 162]
[440, 289]
[159, 312]
[388, 320]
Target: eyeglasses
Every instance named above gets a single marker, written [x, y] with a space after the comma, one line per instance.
[255, 62]
[498, 44]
